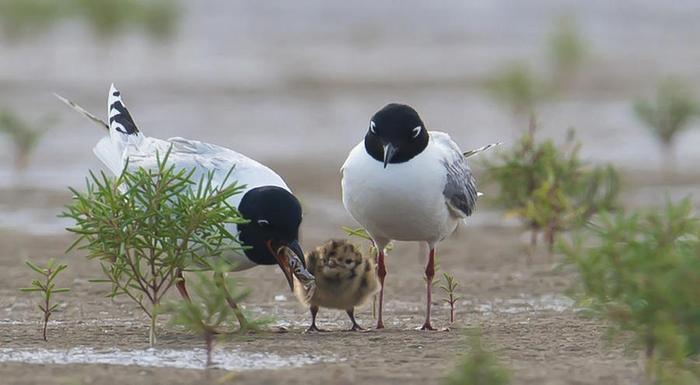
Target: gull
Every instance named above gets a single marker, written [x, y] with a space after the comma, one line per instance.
[274, 214]
[405, 183]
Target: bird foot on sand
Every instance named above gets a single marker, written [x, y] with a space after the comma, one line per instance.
[427, 326]
[314, 329]
[357, 328]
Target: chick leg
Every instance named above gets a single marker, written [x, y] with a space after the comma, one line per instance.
[429, 274]
[313, 327]
[355, 326]
[381, 273]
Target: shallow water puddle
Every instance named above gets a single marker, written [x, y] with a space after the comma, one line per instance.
[161, 358]
[547, 302]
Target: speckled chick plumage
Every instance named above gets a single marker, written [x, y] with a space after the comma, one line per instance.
[345, 278]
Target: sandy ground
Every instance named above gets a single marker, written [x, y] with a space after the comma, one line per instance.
[517, 304]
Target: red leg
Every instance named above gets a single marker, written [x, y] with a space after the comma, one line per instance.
[429, 274]
[381, 273]
[180, 284]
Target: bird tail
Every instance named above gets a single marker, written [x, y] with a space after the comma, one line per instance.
[122, 129]
[123, 133]
[467, 154]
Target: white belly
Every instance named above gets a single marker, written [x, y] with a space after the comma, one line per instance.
[403, 202]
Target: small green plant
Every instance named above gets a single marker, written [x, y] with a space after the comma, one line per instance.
[209, 310]
[147, 225]
[449, 287]
[566, 51]
[517, 87]
[23, 136]
[22, 18]
[46, 286]
[548, 187]
[361, 233]
[107, 17]
[668, 115]
[478, 366]
[641, 272]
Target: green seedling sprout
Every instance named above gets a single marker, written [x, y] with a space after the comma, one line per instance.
[641, 273]
[146, 226]
[668, 115]
[478, 366]
[24, 136]
[46, 286]
[208, 312]
[449, 286]
[517, 88]
[521, 88]
[566, 51]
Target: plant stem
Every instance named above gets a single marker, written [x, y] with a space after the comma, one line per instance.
[47, 300]
[533, 237]
[152, 330]
[209, 341]
[649, 355]
[46, 322]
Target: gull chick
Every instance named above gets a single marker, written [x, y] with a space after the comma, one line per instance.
[344, 280]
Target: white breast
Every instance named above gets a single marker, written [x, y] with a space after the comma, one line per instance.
[403, 202]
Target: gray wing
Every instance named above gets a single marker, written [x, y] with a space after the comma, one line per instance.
[460, 190]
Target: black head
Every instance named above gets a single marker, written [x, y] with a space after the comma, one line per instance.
[272, 231]
[396, 134]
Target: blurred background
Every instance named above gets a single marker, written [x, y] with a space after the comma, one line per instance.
[293, 84]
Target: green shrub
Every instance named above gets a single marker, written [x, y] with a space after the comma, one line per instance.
[566, 51]
[641, 272]
[478, 366]
[107, 18]
[668, 114]
[548, 187]
[147, 224]
[517, 88]
[23, 136]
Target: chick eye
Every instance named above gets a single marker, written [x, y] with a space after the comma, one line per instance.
[348, 261]
[263, 222]
[372, 127]
[417, 130]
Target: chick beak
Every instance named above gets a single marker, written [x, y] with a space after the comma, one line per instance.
[389, 152]
[290, 258]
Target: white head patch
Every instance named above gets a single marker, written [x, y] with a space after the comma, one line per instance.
[417, 130]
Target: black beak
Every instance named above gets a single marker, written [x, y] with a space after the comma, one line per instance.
[389, 152]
